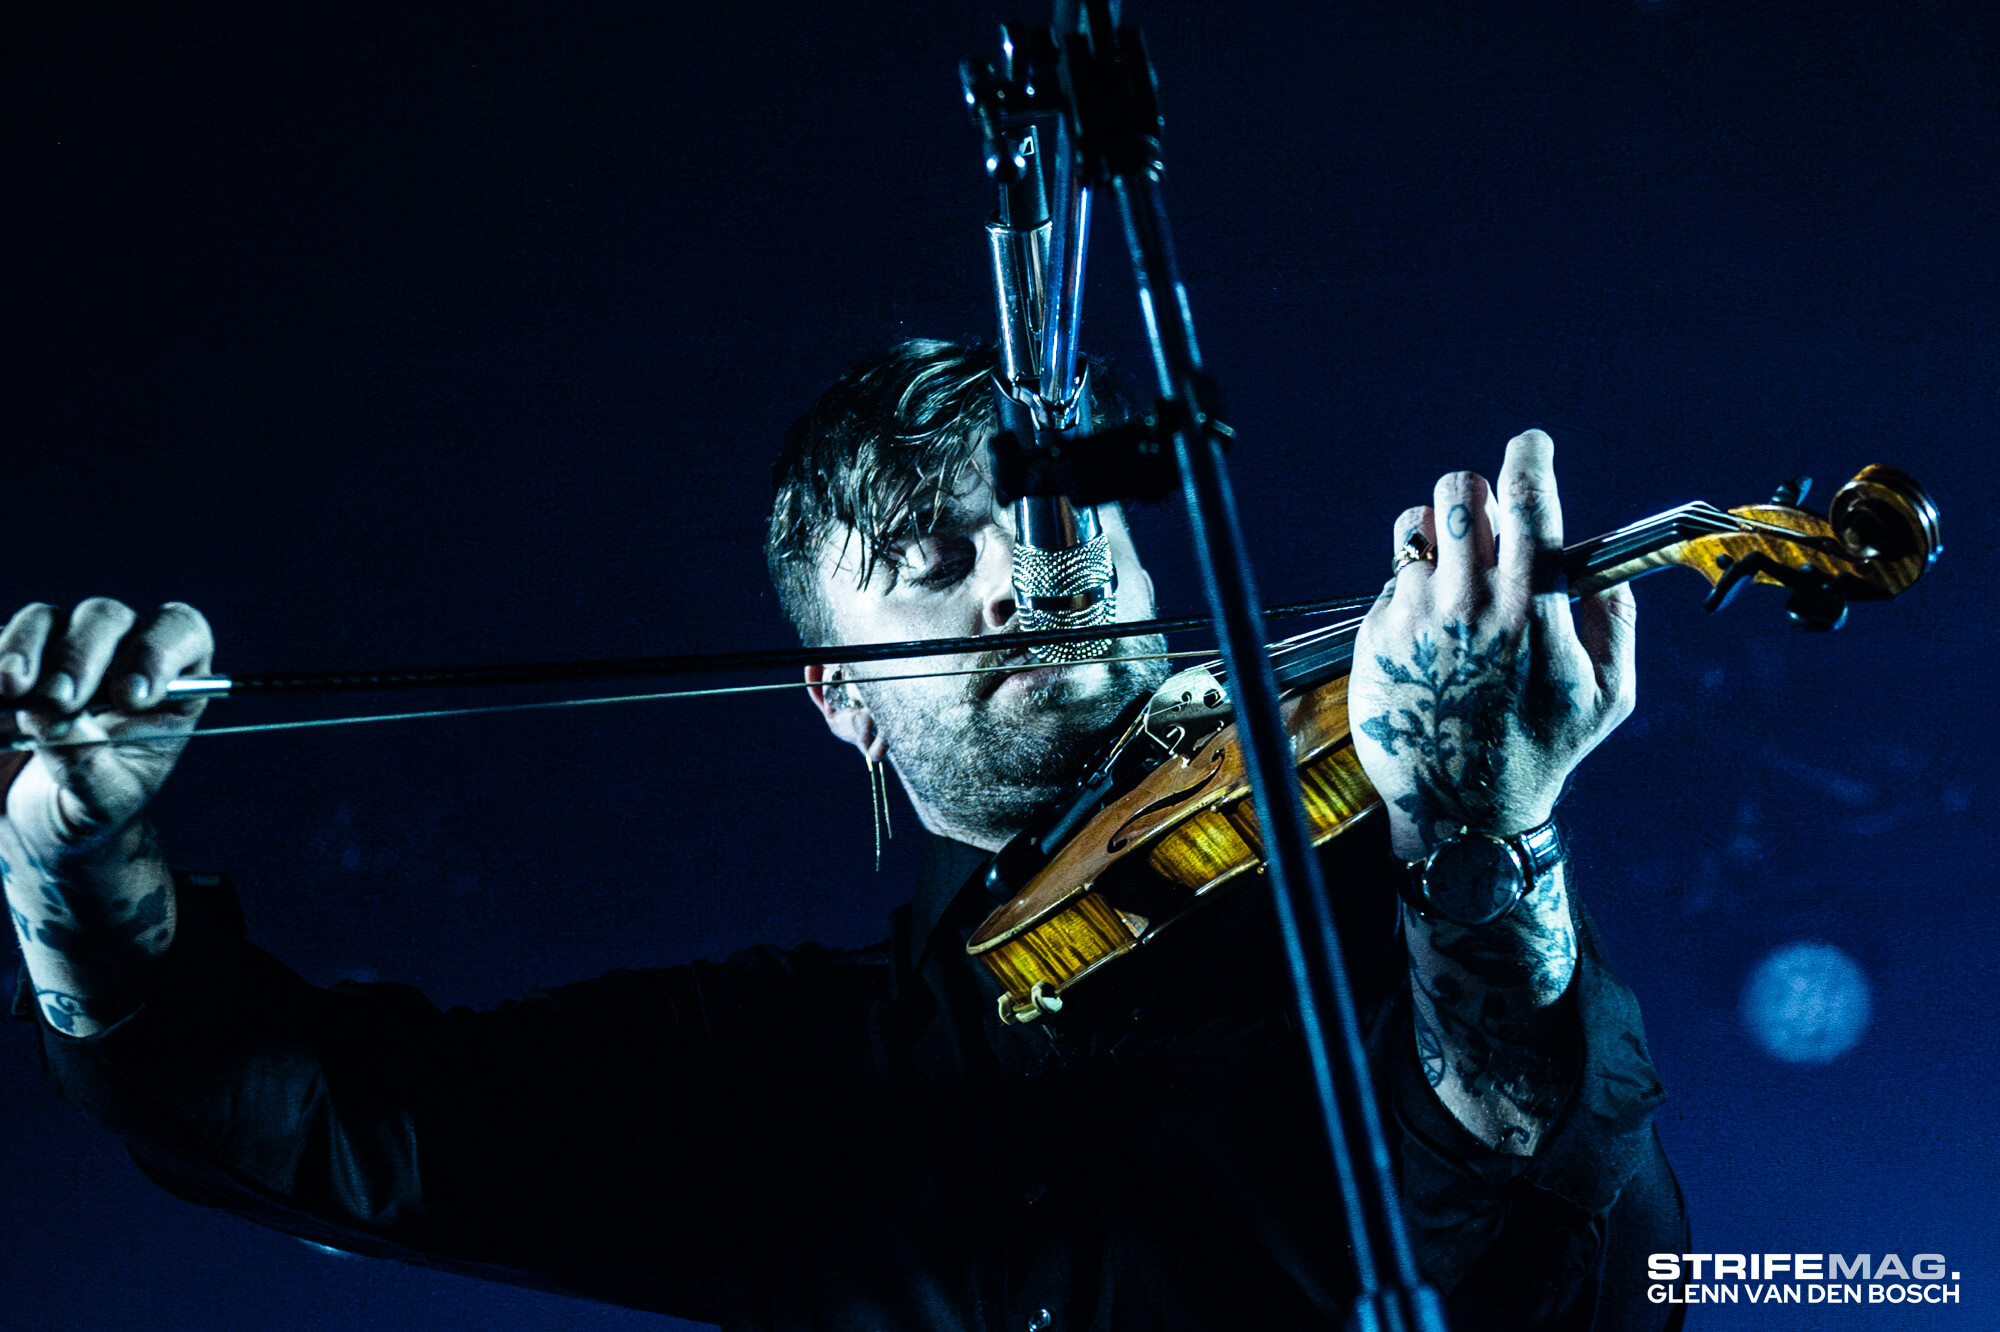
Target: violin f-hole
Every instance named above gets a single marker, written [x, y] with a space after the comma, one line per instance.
[1119, 840]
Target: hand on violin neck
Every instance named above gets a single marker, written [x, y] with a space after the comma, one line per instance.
[1476, 689]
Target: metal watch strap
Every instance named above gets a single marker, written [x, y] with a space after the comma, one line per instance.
[1536, 851]
[1544, 848]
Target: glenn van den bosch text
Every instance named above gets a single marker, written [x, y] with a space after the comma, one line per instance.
[1799, 1278]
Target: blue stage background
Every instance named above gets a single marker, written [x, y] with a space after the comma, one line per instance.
[394, 334]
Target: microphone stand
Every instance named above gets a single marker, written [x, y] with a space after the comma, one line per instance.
[1064, 575]
[1100, 84]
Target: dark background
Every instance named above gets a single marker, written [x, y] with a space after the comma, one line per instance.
[390, 334]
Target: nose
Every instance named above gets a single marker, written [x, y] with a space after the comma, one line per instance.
[996, 593]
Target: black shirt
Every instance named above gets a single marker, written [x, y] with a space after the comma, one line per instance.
[813, 1138]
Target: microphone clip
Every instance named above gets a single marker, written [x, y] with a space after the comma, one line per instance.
[1133, 460]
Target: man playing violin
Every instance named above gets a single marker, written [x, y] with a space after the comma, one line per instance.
[820, 1138]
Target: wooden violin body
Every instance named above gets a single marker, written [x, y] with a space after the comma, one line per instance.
[1192, 824]
[1166, 818]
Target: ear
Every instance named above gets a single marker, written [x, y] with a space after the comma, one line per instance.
[1135, 585]
[845, 715]
[1146, 582]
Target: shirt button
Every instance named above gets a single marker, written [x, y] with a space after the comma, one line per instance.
[1039, 1321]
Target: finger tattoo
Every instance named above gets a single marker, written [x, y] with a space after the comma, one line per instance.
[1458, 522]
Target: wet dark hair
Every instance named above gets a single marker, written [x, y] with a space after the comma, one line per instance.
[880, 456]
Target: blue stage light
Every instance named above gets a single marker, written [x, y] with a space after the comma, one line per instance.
[1806, 1003]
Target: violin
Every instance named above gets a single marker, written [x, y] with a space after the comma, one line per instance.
[1163, 816]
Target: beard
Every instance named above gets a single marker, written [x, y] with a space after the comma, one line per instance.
[984, 760]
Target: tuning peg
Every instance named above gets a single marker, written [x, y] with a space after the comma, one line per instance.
[1793, 492]
[1817, 610]
[1734, 574]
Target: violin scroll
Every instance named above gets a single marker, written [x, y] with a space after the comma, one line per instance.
[1884, 515]
[1878, 537]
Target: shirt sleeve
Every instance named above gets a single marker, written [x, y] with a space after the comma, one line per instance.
[1553, 1233]
[520, 1143]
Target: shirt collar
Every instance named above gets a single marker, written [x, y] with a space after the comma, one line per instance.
[948, 872]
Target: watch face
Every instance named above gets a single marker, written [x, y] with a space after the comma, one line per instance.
[1473, 880]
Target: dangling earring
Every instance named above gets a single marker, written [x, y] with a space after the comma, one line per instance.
[841, 696]
[878, 806]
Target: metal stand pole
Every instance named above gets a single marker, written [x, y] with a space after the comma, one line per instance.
[1393, 1299]
[1107, 103]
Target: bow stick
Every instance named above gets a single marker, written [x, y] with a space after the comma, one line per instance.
[632, 668]
[208, 687]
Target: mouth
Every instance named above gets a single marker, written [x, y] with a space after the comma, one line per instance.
[1030, 676]
[1019, 671]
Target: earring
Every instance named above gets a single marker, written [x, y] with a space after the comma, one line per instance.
[840, 694]
[878, 806]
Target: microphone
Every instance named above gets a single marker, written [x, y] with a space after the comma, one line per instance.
[1063, 574]
[1064, 577]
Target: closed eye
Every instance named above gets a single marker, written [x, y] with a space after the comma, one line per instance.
[940, 562]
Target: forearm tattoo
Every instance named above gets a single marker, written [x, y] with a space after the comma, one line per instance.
[1491, 1037]
[91, 926]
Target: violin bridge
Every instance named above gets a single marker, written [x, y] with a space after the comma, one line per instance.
[1180, 706]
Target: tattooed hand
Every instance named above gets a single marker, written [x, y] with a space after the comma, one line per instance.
[1475, 692]
[1475, 689]
[89, 897]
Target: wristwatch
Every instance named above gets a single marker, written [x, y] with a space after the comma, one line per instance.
[1475, 878]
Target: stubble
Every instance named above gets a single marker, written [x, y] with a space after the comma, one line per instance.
[986, 761]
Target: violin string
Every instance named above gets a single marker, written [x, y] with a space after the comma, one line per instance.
[1298, 643]
[173, 737]
[1689, 520]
